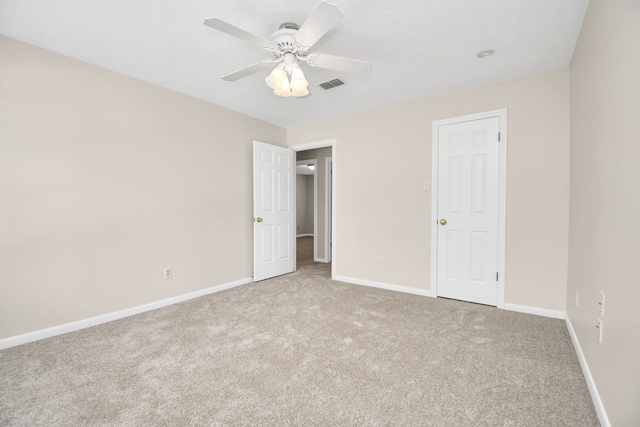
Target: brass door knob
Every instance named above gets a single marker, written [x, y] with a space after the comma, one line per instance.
[443, 221]
[258, 219]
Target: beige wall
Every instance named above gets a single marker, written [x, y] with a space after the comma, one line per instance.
[605, 202]
[104, 181]
[385, 156]
[103, 173]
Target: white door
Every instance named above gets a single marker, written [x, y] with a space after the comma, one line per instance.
[467, 230]
[273, 210]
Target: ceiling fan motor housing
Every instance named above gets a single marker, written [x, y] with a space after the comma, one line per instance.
[283, 38]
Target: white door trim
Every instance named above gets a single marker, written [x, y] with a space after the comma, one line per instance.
[502, 196]
[328, 198]
[334, 155]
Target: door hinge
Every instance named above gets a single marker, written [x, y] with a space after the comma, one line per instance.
[496, 276]
[498, 136]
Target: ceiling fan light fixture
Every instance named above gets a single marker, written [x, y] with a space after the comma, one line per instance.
[287, 83]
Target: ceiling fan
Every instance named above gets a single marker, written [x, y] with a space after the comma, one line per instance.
[289, 46]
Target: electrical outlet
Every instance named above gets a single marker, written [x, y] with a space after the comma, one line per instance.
[426, 186]
[168, 273]
[599, 326]
[601, 303]
[379, 261]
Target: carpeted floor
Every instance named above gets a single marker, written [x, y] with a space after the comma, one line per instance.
[301, 349]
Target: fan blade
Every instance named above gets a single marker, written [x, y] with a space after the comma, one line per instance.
[321, 20]
[339, 63]
[237, 75]
[232, 30]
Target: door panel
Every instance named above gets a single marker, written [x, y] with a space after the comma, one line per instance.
[273, 195]
[467, 239]
[453, 258]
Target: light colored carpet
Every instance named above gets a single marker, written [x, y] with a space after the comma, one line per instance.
[302, 350]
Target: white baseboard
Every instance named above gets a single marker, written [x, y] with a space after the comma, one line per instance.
[427, 293]
[387, 286]
[304, 235]
[104, 318]
[595, 396]
[535, 310]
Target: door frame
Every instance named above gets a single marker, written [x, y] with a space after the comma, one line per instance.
[328, 203]
[334, 156]
[502, 196]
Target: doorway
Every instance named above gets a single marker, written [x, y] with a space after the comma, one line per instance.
[306, 197]
[468, 208]
[321, 155]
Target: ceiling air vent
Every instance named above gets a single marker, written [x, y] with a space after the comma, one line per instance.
[331, 84]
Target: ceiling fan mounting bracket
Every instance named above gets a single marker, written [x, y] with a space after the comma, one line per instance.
[289, 26]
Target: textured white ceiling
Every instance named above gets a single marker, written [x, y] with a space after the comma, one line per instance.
[418, 47]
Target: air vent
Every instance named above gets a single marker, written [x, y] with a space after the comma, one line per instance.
[331, 84]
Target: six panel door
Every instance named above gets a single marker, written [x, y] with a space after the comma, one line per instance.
[468, 156]
[273, 210]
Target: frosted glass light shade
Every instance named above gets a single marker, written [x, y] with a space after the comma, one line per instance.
[297, 74]
[300, 92]
[286, 81]
[276, 78]
[298, 82]
[284, 90]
